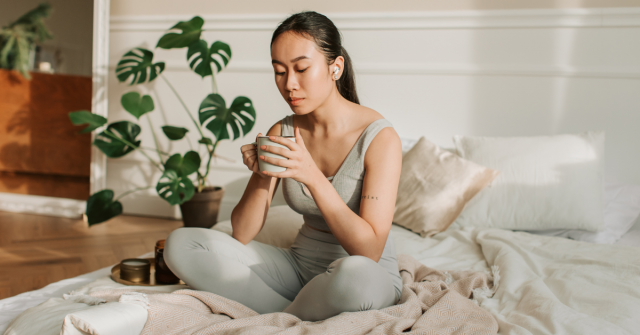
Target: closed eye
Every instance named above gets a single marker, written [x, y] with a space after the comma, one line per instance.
[282, 73]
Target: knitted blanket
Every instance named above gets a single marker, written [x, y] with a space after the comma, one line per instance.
[432, 302]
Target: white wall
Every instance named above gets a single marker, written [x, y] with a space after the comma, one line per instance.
[433, 74]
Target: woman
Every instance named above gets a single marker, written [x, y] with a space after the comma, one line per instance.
[342, 175]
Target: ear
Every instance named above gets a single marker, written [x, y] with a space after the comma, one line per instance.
[338, 62]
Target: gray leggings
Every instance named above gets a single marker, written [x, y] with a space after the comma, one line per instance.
[314, 279]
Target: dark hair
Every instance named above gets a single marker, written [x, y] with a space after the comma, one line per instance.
[326, 35]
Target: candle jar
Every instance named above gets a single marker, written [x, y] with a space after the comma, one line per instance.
[135, 270]
[163, 273]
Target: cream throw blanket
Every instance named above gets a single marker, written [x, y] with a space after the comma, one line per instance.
[432, 302]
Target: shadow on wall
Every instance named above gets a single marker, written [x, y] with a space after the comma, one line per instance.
[548, 83]
[41, 152]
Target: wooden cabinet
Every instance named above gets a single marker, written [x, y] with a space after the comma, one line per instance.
[41, 152]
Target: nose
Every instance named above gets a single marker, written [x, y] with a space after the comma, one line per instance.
[292, 81]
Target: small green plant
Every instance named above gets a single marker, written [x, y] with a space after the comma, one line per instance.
[120, 138]
[18, 39]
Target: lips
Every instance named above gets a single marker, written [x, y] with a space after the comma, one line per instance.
[295, 101]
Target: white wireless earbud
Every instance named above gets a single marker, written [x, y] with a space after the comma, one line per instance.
[335, 72]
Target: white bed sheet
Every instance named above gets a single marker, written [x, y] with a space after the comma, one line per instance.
[452, 250]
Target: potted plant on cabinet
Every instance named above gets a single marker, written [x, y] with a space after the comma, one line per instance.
[199, 202]
[18, 40]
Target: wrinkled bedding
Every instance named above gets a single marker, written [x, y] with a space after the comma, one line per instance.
[548, 285]
[432, 302]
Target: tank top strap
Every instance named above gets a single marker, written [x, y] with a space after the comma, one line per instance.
[286, 127]
[370, 133]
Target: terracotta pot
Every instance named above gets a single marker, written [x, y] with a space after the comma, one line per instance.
[202, 209]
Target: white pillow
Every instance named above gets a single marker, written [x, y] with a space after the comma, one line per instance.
[622, 208]
[280, 227]
[546, 182]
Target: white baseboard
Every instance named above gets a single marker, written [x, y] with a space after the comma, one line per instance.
[73, 209]
[35, 204]
[143, 204]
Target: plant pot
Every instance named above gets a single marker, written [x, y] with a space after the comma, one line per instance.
[202, 209]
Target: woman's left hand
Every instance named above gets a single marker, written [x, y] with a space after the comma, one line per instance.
[300, 165]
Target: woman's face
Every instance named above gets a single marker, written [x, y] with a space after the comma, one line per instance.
[301, 72]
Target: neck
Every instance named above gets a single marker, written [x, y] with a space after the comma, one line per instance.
[331, 116]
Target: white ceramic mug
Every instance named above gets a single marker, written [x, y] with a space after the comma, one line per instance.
[264, 166]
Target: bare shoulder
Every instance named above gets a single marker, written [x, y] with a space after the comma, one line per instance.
[386, 144]
[276, 129]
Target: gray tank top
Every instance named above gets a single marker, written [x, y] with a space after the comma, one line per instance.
[347, 181]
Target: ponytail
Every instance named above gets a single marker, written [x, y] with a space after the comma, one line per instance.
[347, 82]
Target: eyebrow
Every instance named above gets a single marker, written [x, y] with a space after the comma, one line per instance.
[292, 61]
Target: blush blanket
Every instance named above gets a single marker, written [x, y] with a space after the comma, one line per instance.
[432, 302]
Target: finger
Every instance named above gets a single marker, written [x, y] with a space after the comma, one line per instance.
[299, 140]
[247, 148]
[281, 140]
[277, 161]
[277, 150]
[259, 134]
[251, 161]
[250, 153]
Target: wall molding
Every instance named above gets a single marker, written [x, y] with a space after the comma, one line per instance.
[100, 100]
[405, 68]
[521, 18]
[503, 19]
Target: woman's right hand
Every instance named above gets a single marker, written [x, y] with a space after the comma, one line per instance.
[250, 157]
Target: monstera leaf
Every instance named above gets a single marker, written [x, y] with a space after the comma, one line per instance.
[138, 63]
[217, 116]
[101, 207]
[175, 188]
[201, 56]
[184, 166]
[113, 147]
[191, 31]
[81, 117]
[137, 105]
[174, 133]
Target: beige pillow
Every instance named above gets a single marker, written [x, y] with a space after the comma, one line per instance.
[280, 227]
[434, 187]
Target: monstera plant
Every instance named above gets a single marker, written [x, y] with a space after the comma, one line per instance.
[183, 175]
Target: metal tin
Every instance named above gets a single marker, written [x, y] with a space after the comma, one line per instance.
[163, 274]
[135, 270]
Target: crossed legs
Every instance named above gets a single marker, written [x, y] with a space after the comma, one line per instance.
[265, 278]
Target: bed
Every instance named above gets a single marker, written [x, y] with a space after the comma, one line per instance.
[552, 309]
[549, 284]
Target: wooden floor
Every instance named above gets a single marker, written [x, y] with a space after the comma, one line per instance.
[37, 250]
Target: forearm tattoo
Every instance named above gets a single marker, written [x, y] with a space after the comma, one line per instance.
[369, 197]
